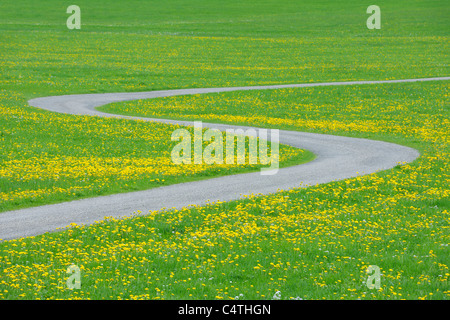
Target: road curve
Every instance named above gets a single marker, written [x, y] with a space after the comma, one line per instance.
[337, 158]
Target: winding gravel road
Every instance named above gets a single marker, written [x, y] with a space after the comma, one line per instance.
[336, 158]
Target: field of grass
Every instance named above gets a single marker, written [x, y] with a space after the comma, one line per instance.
[309, 243]
[313, 243]
[49, 158]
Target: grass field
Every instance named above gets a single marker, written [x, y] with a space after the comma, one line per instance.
[313, 243]
[49, 158]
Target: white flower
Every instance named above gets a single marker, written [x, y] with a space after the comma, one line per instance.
[240, 296]
[277, 295]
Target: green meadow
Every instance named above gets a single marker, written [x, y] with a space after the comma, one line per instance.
[313, 243]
